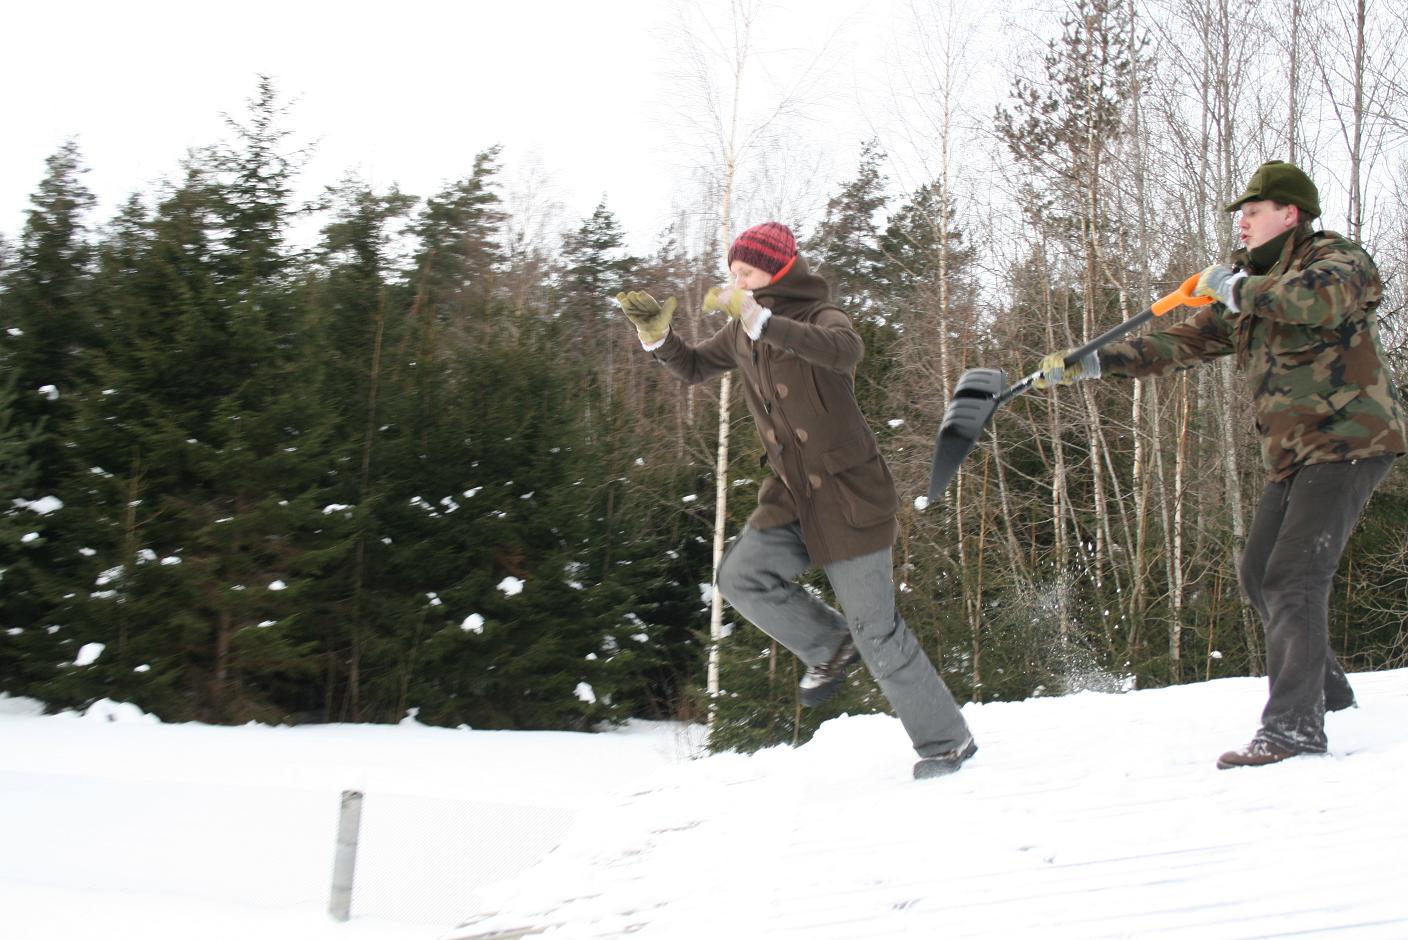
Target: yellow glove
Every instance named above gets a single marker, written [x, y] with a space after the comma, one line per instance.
[726, 299]
[1054, 370]
[651, 318]
[739, 305]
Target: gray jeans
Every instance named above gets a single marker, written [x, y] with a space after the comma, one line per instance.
[1288, 568]
[757, 579]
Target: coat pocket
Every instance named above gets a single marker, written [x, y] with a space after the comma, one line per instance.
[864, 487]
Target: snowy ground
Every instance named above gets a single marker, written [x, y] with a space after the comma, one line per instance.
[1081, 817]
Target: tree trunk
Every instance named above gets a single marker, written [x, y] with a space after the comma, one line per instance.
[1180, 470]
[716, 600]
[359, 567]
[129, 538]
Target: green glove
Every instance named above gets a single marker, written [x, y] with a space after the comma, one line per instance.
[727, 300]
[651, 318]
[1054, 370]
[739, 305]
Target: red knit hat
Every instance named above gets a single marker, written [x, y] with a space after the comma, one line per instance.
[768, 247]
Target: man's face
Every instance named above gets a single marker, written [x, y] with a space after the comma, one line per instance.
[747, 277]
[1262, 220]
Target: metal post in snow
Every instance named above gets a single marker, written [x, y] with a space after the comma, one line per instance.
[344, 864]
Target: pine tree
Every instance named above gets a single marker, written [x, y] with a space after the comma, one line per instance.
[17, 476]
[596, 267]
[44, 299]
[208, 442]
[44, 347]
[845, 248]
[488, 498]
[360, 309]
[268, 434]
[460, 255]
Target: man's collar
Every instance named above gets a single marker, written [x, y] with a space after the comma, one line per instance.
[1267, 256]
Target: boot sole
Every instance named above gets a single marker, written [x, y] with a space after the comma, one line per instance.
[930, 767]
[1224, 764]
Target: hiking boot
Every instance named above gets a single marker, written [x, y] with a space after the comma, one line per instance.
[941, 765]
[822, 682]
[1340, 704]
[1257, 754]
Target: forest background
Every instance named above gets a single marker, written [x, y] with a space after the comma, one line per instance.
[416, 460]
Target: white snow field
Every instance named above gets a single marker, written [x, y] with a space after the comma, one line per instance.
[1088, 816]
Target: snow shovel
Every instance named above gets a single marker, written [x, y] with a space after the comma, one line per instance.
[980, 391]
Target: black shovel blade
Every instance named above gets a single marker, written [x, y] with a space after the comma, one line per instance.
[974, 401]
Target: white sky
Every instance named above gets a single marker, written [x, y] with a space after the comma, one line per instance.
[404, 92]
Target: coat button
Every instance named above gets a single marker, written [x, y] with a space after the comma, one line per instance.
[781, 390]
[814, 480]
[802, 435]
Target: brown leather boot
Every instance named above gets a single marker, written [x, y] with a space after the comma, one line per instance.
[1257, 754]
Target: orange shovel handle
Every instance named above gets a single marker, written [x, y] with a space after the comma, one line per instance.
[1183, 297]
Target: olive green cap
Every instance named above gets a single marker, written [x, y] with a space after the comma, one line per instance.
[1281, 182]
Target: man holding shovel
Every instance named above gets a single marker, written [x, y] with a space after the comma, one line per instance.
[1297, 308]
[829, 501]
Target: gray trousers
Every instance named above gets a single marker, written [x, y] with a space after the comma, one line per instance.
[757, 579]
[1288, 568]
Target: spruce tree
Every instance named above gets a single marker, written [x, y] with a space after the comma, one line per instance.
[595, 268]
[845, 248]
[17, 476]
[206, 445]
[261, 512]
[486, 544]
[44, 347]
[44, 300]
[460, 252]
[360, 305]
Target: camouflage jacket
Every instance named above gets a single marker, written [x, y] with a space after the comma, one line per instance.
[1308, 338]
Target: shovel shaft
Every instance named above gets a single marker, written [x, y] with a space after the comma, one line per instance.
[971, 411]
[1017, 388]
[1184, 296]
[1110, 335]
[1076, 355]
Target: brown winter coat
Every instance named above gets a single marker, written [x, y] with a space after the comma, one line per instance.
[827, 471]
